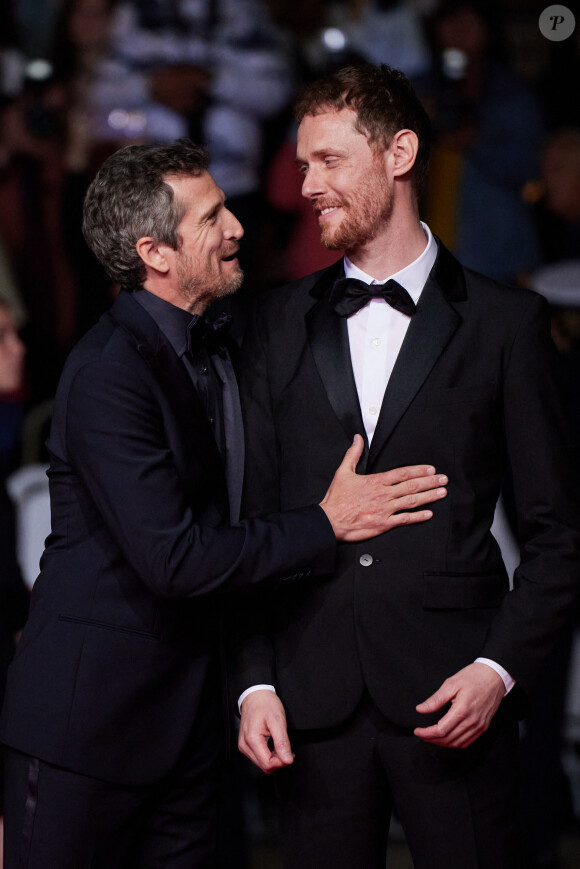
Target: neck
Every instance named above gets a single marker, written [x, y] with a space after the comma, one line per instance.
[169, 292]
[402, 241]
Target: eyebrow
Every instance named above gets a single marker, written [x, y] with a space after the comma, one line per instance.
[321, 152]
[213, 209]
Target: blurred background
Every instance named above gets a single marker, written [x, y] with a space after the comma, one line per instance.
[80, 78]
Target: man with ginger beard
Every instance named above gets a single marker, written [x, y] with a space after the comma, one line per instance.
[112, 716]
[398, 684]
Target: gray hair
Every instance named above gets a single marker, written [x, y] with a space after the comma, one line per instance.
[129, 200]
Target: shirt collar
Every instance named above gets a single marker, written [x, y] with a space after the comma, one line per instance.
[173, 321]
[413, 277]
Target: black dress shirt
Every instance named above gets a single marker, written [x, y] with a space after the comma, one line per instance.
[174, 322]
[210, 369]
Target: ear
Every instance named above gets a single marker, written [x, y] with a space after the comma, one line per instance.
[403, 152]
[153, 254]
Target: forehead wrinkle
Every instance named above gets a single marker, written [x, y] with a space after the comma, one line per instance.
[188, 200]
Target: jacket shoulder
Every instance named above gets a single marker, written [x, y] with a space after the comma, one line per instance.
[495, 295]
[110, 340]
[295, 297]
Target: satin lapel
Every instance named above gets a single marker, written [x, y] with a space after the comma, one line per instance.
[328, 337]
[234, 435]
[169, 372]
[429, 332]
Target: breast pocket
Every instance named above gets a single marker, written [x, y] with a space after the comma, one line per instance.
[471, 419]
[458, 395]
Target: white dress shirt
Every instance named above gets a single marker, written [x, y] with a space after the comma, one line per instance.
[376, 332]
[375, 335]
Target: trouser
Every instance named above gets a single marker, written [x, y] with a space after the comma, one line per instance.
[60, 819]
[458, 808]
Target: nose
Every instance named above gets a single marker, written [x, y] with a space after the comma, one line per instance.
[234, 228]
[312, 185]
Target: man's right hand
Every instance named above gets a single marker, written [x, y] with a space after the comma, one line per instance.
[361, 506]
[263, 734]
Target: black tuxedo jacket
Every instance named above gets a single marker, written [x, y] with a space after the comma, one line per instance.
[123, 627]
[473, 391]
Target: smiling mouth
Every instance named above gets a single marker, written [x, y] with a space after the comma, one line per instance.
[230, 257]
[322, 212]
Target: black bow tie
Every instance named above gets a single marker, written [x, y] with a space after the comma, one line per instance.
[212, 335]
[349, 295]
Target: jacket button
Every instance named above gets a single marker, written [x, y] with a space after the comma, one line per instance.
[366, 560]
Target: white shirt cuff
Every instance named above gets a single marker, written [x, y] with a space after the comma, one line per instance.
[251, 690]
[505, 676]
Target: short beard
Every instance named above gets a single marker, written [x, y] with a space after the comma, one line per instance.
[369, 210]
[227, 286]
[193, 288]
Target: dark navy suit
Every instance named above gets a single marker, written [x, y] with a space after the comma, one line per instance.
[118, 658]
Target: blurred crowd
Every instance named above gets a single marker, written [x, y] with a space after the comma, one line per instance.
[80, 78]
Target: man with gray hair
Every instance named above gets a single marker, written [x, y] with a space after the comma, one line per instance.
[112, 715]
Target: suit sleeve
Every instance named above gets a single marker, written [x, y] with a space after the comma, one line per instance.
[537, 432]
[251, 653]
[118, 445]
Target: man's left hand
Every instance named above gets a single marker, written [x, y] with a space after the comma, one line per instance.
[475, 694]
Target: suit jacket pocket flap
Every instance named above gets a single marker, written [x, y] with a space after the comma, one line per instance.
[463, 590]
